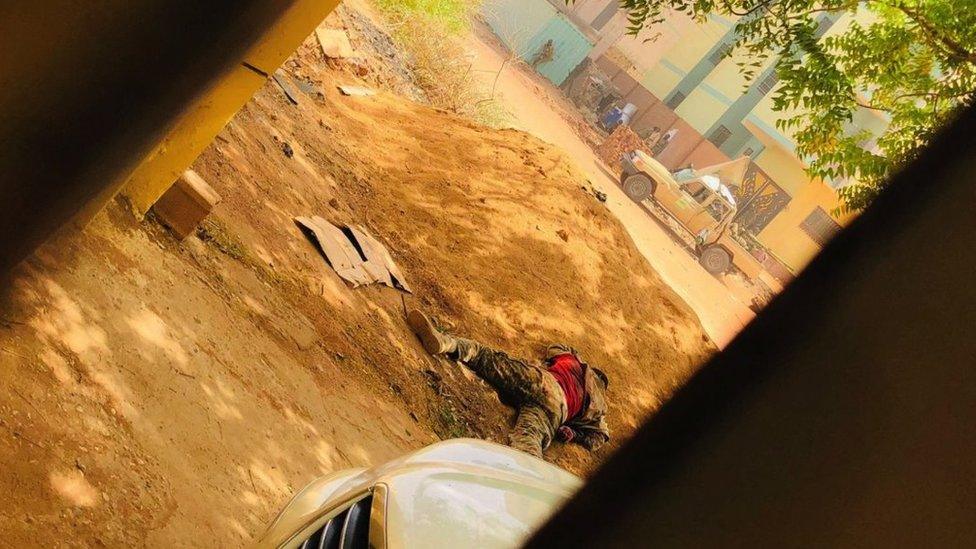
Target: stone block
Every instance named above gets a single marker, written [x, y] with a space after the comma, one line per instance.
[187, 202]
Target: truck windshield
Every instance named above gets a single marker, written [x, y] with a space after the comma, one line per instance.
[698, 191]
[713, 202]
[718, 209]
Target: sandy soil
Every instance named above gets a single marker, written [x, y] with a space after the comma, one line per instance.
[539, 108]
[163, 393]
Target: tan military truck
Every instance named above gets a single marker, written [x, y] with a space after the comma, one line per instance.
[701, 203]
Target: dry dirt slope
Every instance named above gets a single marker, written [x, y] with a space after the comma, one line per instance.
[176, 394]
[473, 215]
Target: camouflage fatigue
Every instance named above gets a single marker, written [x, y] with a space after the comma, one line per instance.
[540, 400]
[590, 425]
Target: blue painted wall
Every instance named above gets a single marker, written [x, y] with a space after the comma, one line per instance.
[524, 26]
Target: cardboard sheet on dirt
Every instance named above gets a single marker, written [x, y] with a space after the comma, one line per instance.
[353, 253]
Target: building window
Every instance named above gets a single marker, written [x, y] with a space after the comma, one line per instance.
[675, 100]
[719, 54]
[605, 16]
[720, 136]
[766, 84]
[820, 226]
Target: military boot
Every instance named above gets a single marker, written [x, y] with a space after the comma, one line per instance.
[435, 342]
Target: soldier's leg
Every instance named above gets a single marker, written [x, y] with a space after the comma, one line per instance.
[533, 430]
[434, 342]
[515, 380]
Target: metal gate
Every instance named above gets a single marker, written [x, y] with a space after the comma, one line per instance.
[760, 199]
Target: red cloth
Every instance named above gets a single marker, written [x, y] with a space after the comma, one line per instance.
[569, 373]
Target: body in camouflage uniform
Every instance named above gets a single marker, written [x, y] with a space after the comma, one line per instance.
[540, 400]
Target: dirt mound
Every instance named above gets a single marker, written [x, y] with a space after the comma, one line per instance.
[494, 229]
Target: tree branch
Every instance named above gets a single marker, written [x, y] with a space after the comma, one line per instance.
[933, 95]
[833, 9]
[762, 5]
[870, 106]
[950, 46]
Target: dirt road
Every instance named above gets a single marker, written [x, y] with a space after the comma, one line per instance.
[168, 394]
[539, 109]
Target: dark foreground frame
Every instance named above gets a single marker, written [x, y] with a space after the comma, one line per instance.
[843, 415]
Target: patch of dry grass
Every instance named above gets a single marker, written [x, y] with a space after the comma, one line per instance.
[452, 15]
[430, 32]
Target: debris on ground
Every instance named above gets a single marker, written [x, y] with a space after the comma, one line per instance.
[286, 148]
[563, 235]
[353, 253]
[356, 90]
[308, 88]
[286, 86]
[597, 193]
[380, 62]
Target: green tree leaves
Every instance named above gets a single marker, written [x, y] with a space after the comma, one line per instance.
[910, 62]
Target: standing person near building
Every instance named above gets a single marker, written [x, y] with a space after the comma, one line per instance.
[544, 55]
[652, 137]
[563, 400]
[665, 140]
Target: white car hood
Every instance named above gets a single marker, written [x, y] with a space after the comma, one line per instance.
[453, 507]
[470, 493]
[456, 493]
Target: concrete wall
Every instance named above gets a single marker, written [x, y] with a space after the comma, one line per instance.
[662, 79]
[704, 154]
[783, 168]
[582, 14]
[516, 22]
[526, 26]
[702, 108]
[633, 92]
[648, 48]
[656, 114]
[726, 79]
[784, 238]
[693, 42]
[607, 66]
[587, 10]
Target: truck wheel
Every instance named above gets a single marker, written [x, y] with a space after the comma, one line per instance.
[715, 260]
[638, 187]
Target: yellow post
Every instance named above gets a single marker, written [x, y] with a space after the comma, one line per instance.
[204, 119]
